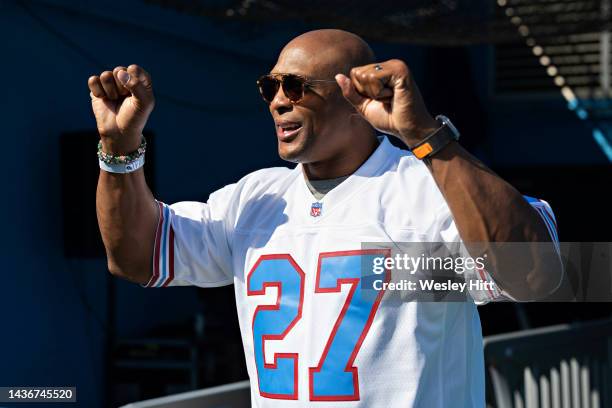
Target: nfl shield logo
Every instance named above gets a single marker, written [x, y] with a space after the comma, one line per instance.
[315, 209]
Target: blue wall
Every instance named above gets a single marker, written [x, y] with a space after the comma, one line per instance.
[50, 333]
[49, 336]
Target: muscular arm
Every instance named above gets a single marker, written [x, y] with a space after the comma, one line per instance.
[485, 208]
[127, 216]
[122, 101]
[488, 209]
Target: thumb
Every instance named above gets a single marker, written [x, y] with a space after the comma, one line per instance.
[138, 84]
[349, 91]
[123, 76]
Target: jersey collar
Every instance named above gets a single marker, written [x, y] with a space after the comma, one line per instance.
[342, 192]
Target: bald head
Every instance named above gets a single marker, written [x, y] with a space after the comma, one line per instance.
[325, 53]
[322, 126]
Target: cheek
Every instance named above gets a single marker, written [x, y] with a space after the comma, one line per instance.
[309, 123]
[319, 120]
[322, 114]
[329, 120]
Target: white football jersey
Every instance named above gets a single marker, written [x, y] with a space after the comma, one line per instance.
[310, 338]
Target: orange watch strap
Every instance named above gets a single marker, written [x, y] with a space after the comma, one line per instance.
[433, 143]
[422, 150]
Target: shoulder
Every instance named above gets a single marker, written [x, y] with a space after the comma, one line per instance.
[256, 197]
[252, 190]
[416, 178]
[406, 159]
[267, 175]
[271, 180]
[406, 191]
[403, 159]
[267, 182]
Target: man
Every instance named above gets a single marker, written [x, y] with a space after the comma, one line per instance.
[290, 239]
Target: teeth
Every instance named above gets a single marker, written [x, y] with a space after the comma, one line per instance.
[289, 128]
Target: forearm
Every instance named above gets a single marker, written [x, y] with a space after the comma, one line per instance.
[127, 217]
[487, 209]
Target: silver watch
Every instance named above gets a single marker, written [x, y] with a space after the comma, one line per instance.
[447, 122]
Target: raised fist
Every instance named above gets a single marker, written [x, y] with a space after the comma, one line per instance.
[122, 101]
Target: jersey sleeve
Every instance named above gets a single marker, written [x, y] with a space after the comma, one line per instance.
[192, 243]
[491, 292]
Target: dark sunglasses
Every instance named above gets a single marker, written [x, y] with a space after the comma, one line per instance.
[293, 86]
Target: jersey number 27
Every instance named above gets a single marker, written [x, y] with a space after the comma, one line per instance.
[335, 378]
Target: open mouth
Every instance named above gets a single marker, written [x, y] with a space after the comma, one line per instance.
[287, 130]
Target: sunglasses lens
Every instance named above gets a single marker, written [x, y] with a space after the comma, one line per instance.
[268, 87]
[293, 87]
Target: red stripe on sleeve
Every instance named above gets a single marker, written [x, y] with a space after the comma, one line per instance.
[157, 245]
[170, 257]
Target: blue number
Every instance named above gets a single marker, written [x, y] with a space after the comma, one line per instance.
[335, 378]
[273, 322]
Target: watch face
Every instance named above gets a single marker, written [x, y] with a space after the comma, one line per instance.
[446, 121]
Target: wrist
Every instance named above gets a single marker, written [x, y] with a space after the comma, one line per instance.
[122, 146]
[441, 137]
[416, 134]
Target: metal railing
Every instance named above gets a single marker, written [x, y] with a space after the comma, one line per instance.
[565, 366]
[235, 395]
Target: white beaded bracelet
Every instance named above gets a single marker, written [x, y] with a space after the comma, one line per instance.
[123, 168]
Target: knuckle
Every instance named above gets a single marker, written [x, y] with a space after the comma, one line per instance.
[134, 69]
[401, 65]
[106, 76]
[92, 80]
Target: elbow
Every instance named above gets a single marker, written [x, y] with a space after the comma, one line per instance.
[116, 269]
[545, 279]
[128, 272]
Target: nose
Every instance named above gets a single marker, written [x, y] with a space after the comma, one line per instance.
[280, 102]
